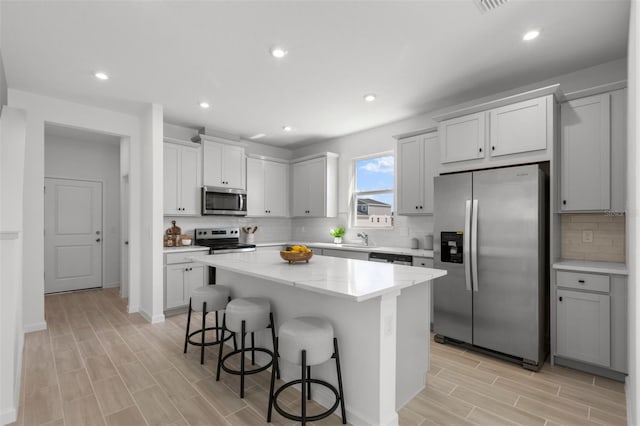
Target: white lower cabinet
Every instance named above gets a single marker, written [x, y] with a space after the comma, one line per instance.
[584, 326]
[591, 320]
[180, 277]
[347, 254]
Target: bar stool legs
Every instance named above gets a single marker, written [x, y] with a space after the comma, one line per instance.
[245, 316]
[306, 341]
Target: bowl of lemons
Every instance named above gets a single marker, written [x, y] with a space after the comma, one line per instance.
[296, 253]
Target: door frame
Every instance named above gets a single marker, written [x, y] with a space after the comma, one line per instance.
[102, 214]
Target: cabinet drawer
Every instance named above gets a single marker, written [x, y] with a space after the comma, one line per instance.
[184, 257]
[583, 281]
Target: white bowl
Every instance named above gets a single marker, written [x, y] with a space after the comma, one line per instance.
[186, 242]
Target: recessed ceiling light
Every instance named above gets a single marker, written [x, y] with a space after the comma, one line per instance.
[530, 35]
[287, 128]
[370, 97]
[257, 136]
[278, 52]
[204, 105]
[101, 75]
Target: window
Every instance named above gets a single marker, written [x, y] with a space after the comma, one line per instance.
[372, 202]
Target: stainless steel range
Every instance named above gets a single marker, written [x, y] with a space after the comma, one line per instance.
[220, 241]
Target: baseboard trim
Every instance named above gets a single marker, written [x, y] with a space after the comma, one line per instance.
[152, 319]
[37, 326]
[111, 285]
[8, 416]
[132, 309]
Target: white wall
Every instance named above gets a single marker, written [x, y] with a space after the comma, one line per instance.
[41, 109]
[97, 161]
[3, 84]
[151, 278]
[12, 157]
[633, 220]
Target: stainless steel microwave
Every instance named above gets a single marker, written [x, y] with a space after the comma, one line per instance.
[224, 201]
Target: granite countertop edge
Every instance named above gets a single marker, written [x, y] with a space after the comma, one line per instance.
[367, 249]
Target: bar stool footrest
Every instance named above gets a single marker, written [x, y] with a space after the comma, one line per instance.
[315, 417]
[216, 342]
[252, 371]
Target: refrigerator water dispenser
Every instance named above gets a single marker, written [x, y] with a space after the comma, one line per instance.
[451, 247]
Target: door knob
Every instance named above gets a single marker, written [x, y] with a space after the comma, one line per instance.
[97, 240]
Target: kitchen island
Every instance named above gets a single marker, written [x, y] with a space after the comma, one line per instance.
[380, 313]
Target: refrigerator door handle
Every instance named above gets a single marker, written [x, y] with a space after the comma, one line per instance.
[474, 244]
[466, 246]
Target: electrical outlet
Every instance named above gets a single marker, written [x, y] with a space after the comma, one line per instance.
[587, 236]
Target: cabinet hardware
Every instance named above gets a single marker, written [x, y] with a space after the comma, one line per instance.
[581, 281]
[479, 149]
[564, 202]
[97, 232]
[97, 240]
[560, 298]
[493, 148]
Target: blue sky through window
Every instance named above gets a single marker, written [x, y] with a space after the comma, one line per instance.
[375, 174]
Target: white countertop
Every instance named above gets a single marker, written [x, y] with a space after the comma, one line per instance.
[591, 266]
[363, 248]
[357, 280]
[184, 249]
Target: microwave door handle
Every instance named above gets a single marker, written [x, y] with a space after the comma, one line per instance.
[474, 244]
[241, 202]
[466, 245]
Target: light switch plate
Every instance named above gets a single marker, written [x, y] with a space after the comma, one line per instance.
[587, 236]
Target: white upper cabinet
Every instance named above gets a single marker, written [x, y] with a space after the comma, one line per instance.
[267, 188]
[462, 138]
[418, 162]
[315, 186]
[181, 179]
[517, 128]
[593, 146]
[224, 165]
[513, 130]
[586, 154]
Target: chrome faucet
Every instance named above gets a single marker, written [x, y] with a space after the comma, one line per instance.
[365, 237]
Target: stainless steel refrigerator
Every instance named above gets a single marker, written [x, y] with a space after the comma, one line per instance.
[490, 236]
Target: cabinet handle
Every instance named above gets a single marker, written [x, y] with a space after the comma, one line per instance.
[560, 298]
[479, 149]
[564, 202]
[581, 281]
[416, 207]
[493, 148]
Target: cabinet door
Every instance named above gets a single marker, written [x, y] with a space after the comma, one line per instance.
[190, 183]
[171, 176]
[585, 154]
[233, 167]
[521, 127]
[212, 163]
[462, 138]
[583, 326]
[410, 175]
[276, 189]
[174, 284]
[194, 279]
[317, 191]
[431, 167]
[300, 183]
[255, 187]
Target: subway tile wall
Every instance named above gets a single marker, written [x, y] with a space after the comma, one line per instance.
[607, 232]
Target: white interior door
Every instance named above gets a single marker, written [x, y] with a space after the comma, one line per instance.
[73, 234]
[124, 220]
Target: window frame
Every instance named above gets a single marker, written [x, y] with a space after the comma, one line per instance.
[353, 203]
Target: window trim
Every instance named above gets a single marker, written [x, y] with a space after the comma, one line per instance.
[353, 216]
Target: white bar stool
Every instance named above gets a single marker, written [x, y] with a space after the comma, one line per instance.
[206, 299]
[306, 341]
[246, 315]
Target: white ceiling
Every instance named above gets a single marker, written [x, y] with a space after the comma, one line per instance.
[415, 55]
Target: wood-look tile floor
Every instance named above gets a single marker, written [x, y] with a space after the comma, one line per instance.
[98, 365]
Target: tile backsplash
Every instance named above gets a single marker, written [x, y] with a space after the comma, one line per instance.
[593, 236]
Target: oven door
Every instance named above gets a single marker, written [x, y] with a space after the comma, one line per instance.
[224, 201]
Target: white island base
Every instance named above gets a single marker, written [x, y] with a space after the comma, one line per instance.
[380, 313]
